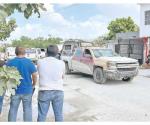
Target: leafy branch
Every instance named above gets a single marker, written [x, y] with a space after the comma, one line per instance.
[9, 79]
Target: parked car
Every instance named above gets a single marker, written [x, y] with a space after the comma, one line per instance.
[103, 64]
[10, 53]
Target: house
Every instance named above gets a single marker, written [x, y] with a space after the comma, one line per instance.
[145, 26]
[133, 44]
[111, 44]
[144, 20]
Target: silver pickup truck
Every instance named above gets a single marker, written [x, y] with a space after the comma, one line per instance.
[103, 64]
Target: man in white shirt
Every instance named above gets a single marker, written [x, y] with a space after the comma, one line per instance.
[51, 73]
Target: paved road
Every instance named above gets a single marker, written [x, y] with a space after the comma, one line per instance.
[112, 101]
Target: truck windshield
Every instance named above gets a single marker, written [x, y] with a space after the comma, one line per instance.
[104, 53]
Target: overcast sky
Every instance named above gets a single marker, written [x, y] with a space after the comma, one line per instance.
[86, 21]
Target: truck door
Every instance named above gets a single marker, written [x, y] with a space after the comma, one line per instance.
[75, 61]
[86, 62]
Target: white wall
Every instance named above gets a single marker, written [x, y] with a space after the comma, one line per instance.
[144, 29]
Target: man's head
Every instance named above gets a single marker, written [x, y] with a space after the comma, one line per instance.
[52, 50]
[20, 51]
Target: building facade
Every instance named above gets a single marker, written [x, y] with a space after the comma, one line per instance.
[145, 20]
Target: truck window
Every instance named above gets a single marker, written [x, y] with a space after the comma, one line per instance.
[87, 51]
[67, 47]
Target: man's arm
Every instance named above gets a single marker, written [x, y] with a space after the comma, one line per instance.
[63, 75]
[34, 78]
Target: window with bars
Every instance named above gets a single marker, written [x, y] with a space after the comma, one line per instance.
[147, 17]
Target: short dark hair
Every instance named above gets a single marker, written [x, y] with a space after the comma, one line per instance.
[52, 50]
[20, 51]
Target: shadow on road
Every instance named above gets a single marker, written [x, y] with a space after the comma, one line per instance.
[117, 82]
[90, 78]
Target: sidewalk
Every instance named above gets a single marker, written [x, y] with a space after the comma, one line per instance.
[144, 72]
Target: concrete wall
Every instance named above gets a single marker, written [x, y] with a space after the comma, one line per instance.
[144, 29]
[127, 35]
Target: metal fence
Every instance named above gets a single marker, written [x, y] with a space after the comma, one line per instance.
[133, 48]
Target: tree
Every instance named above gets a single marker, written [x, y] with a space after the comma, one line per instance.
[6, 27]
[27, 9]
[121, 25]
[2, 49]
[8, 9]
[39, 42]
[100, 41]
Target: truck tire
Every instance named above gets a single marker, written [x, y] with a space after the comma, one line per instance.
[67, 70]
[99, 76]
[127, 79]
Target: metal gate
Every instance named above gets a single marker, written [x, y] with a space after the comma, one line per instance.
[133, 48]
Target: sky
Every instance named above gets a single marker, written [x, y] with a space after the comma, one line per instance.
[84, 21]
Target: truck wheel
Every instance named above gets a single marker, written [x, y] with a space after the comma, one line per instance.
[99, 76]
[127, 79]
[67, 70]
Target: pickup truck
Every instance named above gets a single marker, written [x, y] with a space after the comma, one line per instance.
[68, 50]
[103, 64]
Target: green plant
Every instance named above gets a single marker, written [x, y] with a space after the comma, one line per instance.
[9, 79]
[2, 49]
